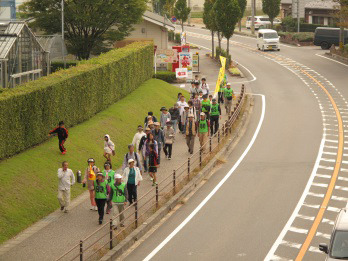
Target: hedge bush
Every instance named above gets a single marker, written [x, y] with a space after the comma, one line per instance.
[300, 37]
[58, 65]
[169, 77]
[171, 35]
[74, 95]
[177, 38]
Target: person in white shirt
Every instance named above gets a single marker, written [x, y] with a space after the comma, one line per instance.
[66, 180]
[137, 137]
[205, 87]
[181, 105]
[109, 148]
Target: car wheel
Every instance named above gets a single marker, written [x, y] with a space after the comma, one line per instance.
[324, 45]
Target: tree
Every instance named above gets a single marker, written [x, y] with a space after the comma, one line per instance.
[271, 8]
[169, 7]
[227, 16]
[242, 5]
[158, 6]
[209, 21]
[181, 11]
[90, 25]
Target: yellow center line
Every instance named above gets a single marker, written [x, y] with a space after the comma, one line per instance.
[331, 186]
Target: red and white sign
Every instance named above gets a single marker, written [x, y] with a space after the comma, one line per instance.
[181, 73]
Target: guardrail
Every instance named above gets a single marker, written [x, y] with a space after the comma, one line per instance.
[106, 237]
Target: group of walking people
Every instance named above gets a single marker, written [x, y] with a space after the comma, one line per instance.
[198, 115]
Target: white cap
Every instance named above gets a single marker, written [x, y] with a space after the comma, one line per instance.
[130, 160]
[202, 114]
[117, 176]
[228, 84]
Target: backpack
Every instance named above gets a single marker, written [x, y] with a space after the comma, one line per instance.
[136, 157]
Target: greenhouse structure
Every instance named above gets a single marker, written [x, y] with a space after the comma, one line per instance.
[22, 57]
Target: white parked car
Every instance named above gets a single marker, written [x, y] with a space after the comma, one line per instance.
[260, 22]
[267, 39]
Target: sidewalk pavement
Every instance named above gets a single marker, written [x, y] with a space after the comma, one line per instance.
[54, 235]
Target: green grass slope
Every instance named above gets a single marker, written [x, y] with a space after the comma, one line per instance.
[29, 180]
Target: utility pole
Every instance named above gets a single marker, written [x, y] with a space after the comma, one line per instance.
[298, 16]
[253, 3]
[63, 34]
[189, 16]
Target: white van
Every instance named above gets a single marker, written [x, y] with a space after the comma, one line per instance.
[267, 39]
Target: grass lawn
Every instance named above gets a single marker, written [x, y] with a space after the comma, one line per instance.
[29, 180]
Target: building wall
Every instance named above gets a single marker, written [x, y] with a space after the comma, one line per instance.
[151, 31]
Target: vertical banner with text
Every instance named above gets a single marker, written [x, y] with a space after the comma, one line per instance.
[221, 74]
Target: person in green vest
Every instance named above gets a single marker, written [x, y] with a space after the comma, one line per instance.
[203, 131]
[215, 115]
[221, 93]
[101, 191]
[228, 94]
[206, 106]
[118, 196]
[108, 174]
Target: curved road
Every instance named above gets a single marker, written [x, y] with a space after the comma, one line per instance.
[282, 199]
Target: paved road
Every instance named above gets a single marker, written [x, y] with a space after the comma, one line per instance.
[262, 211]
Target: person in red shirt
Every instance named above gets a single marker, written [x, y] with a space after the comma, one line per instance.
[62, 133]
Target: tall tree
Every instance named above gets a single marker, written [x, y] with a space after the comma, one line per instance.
[90, 25]
[242, 6]
[169, 7]
[158, 6]
[181, 11]
[271, 8]
[209, 21]
[227, 15]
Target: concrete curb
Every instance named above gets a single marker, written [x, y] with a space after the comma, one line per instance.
[186, 190]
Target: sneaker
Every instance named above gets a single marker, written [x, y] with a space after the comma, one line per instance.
[96, 208]
[91, 208]
[169, 158]
[64, 152]
[151, 179]
[108, 212]
[61, 208]
[66, 211]
[121, 225]
[100, 222]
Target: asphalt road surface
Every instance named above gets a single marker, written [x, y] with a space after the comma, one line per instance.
[268, 205]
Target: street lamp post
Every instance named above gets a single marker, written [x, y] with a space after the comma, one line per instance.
[63, 56]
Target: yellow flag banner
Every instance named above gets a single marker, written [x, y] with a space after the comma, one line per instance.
[221, 74]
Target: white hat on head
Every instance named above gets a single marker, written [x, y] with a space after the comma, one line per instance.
[118, 176]
[229, 84]
[130, 160]
[202, 114]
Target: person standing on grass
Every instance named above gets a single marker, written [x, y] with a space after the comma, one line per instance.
[89, 179]
[137, 138]
[146, 148]
[109, 148]
[141, 146]
[203, 131]
[159, 137]
[165, 116]
[153, 164]
[131, 154]
[215, 115]
[108, 174]
[62, 133]
[118, 196]
[184, 118]
[66, 180]
[132, 177]
[181, 105]
[169, 135]
[228, 95]
[101, 190]
[175, 116]
[191, 132]
[205, 87]
[197, 104]
[206, 106]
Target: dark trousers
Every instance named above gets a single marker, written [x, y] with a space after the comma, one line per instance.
[159, 154]
[101, 206]
[220, 97]
[61, 145]
[132, 193]
[214, 122]
[207, 115]
[181, 127]
[108, 205]
[168, 150]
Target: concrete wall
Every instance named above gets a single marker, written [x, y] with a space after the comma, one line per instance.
[151, 31]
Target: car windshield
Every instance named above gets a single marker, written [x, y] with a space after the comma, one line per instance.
[339, 247]
[264, 19]
[270, 35]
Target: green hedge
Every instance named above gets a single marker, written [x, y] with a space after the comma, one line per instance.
[74, 95]
[58, 65]
[301, 37]
[177, 38]
[169, 77]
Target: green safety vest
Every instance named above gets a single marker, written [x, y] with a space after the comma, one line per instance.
[203, 126]
[111, 179]
[214, 110]
[100, 190]
[228, 92]
[222, 89]
[118, 193]
[205, 106]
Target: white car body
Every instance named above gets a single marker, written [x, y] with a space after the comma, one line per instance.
[267, 39]
[260, 22]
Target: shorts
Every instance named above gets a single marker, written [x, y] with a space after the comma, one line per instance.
[153, 169]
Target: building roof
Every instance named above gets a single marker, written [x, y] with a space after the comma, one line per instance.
[158, 19]
[327, 5]
[53, 45]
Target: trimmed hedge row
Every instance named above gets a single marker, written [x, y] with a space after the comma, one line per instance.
[169, 77]
[74, 95]
[58, 65]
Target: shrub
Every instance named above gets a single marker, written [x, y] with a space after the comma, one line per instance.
[223, 53]
[177, 38]
[346, 48]
[169, 77]
[303, 37]
[171, 35]
[57, 65]
[74, 95]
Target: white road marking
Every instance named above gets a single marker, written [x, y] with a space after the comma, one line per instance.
[323, 176]
[305, 217]
[319, 185]
[298, 230]
[317, 54]
[315, 195]
[211, 194]
[339, 198]
[324, 235]
[290, 244]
